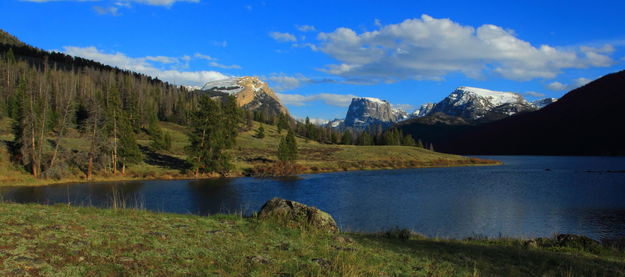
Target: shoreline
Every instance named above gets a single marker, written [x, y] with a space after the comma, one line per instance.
[25, 182]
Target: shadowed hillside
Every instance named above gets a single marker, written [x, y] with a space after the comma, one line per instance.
[585, 121]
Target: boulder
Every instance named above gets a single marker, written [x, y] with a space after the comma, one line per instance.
[296, 214]
[577, 241]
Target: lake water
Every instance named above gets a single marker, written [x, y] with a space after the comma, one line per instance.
[528, 196]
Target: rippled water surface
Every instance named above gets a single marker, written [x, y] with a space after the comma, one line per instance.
[528, 196]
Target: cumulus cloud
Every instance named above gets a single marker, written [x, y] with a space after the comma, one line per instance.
[339, 100]
[430, 48]
[144, 65]
[283, 82]
[282, 37]
[534, 94]
[557, 86]
[306, 28]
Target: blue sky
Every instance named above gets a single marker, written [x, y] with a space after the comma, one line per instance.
[318, 54]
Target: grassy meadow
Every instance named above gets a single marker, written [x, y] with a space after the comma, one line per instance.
[60, 240]
[249, 152]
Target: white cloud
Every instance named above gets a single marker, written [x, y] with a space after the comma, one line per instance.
[306, 28]
[403, 107]
[430, 48]
[304, 45]
[162, 59]
[114, 11]
[44, 1]
[204, 57]
[216, 64]
[144, 65]
[534, 94]
[377, 22]
[557, 86]
[124, 3]
[166, 3]
[339, 100]
[282, 37]
[283, 82]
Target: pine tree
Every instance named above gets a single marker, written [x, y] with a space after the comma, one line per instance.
[160, 139]
[287, 149]
[408, 140]
[211, 135]
[346, 138]
[129, 152]
[260, 132]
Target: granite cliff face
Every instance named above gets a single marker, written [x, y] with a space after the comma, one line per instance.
[250, 92]
[366, 111]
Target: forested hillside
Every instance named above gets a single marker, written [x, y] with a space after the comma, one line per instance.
[51, 95]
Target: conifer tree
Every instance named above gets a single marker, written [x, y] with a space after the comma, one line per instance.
[408, 140]
[211, 136]
[260, 132]
[346, 138]
[287, 149]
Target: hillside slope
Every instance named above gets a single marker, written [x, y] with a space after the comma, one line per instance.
[586, 121]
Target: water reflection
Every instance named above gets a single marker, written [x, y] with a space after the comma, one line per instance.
[519, 199]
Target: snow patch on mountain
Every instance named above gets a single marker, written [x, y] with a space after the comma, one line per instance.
[541, 103]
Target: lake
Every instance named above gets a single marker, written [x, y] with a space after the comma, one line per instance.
[528, 196]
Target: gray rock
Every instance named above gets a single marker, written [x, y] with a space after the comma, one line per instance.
[366, 111]
[294, 214]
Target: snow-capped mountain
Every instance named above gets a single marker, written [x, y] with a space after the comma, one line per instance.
[481, 105]
[250, 92]
[476, 103]
[366, 111]
[314, 121]
[541, 103]
[423, 110]
[336, 123]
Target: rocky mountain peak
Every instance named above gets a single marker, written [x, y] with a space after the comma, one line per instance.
[475, 104]
[250, 92]
[365, 111]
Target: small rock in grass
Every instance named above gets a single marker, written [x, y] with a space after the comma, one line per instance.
[343, 240]
[284, 246]
[126, 259]
[322, 262]
[258, 259]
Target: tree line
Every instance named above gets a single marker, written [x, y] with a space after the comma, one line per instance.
[49, 98]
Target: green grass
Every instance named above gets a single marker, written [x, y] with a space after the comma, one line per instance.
[249, 152]
[39, 240]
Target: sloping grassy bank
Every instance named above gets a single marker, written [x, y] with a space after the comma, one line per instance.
[40, 240]
[250, 153]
